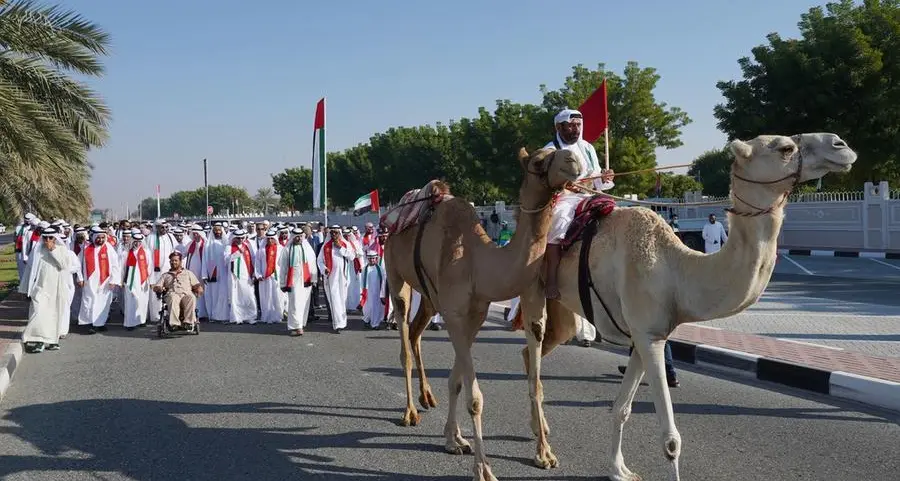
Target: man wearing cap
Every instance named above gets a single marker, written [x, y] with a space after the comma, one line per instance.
[299, 269]
[160, 245]
[271, 305]
[569, 124]
[183, 287]
[46, 286]
[102, 275]
[335, 262]
[239, 280]
[136, 282]
[374, 294]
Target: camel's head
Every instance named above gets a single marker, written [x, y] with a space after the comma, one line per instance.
[551, 167]
[778, 163]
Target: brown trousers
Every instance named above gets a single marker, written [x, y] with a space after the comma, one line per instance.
[181, 309]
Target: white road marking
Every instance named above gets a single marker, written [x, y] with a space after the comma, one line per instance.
[884, 263]
[811, 344]
[792, 261]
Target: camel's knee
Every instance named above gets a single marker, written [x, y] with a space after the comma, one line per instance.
[672, 445]
[621, 413]
[476, 403]
[537, 329]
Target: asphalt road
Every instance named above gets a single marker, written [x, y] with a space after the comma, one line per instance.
[883, 292]
[249, 402]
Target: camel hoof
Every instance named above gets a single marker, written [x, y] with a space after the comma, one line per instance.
[626, 476]
[427, 399]
[411, 418]
[546, 460]
[484, 474]
[458, 447]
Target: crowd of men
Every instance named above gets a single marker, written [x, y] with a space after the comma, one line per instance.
[226, 272]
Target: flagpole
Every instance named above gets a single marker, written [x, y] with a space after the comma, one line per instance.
[325, 160]
[206, 185]
[606, 147]
[158, 213]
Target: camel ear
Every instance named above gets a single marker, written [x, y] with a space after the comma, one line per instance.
[523, 157]
[741, 149]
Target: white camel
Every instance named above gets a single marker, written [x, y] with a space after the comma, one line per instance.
[647, 282]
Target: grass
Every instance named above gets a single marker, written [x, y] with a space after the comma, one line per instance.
[9, 274]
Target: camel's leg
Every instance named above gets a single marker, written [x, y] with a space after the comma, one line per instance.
[401, 301]
[463, 329]
[455, 443]
[419, 323]
[621, 410]
[651, 353]
[536, 320]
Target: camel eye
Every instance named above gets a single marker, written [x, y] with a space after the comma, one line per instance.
[786, 150]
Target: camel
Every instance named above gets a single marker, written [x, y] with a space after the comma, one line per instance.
[647, 282]
[463, 272]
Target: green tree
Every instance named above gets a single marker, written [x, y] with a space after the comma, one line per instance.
[190, 203]
[265, 199]
[48, 120]
[638, 123]
[713, 169]
[295, 187]
[675, 186]
[842, 76]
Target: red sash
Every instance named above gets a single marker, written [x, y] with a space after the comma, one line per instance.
[90, 262]
[328, 260]
[112, 239]
[156, 265]
[35, 237]
[19, 238]
[191, 252]
[307, 277]
[244, 248]
[271, 259]
[139, 261]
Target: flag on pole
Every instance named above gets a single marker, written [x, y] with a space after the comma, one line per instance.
[158, 214]
[318, 157]
[366, 203]
[595, 113]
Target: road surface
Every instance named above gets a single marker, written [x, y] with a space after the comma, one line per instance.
[249, 402]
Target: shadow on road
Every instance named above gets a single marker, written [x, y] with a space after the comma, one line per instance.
[150, 440]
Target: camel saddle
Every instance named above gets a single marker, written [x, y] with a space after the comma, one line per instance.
[593, 207]
[413, 205]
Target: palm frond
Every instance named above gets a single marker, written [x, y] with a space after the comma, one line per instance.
[74, 104]
[63, 38]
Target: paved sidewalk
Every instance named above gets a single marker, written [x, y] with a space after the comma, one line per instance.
[13, 319]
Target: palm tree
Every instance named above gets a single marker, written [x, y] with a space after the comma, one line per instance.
[48, 120]
[265, 197]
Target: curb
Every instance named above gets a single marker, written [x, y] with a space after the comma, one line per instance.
[10, 360]
[875, 392]
[833, 253]
[838, 384]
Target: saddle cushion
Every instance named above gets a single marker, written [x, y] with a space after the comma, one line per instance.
[593, 207]
[412, 205]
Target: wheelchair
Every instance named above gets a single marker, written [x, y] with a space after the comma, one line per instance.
[164, 329]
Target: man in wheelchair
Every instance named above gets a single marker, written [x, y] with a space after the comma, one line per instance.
[180, 287]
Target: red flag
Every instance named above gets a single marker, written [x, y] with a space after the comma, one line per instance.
[375, 204]
[320, 115]
[596, 115]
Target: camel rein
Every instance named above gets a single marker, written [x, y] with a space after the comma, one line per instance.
[759, 210]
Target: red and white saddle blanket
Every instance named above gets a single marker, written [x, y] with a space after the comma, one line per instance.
[411, 206]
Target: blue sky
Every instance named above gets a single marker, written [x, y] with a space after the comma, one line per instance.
[237, 83]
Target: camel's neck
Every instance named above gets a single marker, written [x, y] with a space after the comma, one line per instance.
[503, 272]
[727, 282]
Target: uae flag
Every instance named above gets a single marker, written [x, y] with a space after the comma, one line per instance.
[366, 203]
[318, 157]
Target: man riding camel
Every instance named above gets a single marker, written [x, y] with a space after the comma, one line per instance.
[569, 124]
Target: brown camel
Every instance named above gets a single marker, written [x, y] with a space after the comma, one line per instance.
[650, 282]
[464, 271]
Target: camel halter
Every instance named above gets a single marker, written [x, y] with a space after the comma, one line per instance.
[545, 177]
[784, 197]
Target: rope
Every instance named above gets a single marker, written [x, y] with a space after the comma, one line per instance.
[645, 202]
[641, 171]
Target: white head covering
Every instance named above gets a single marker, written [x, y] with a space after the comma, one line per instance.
[566, 115]
[371, 253]
[240, 233]
[272, 233]
[138, 236]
